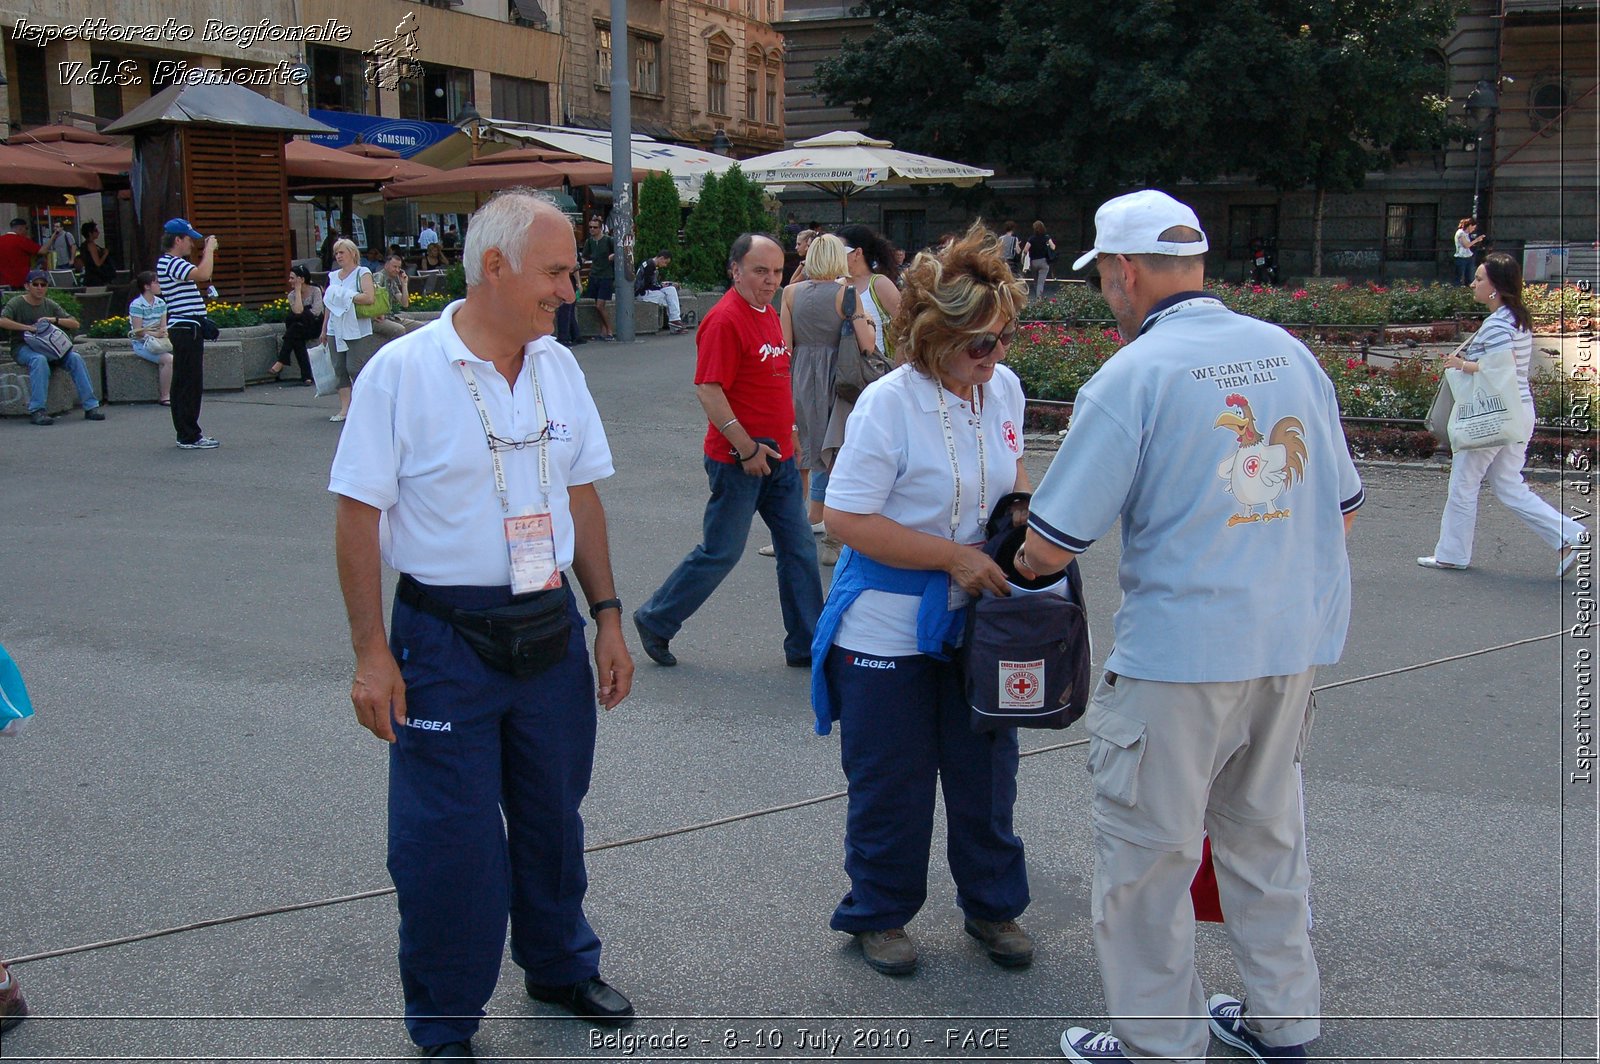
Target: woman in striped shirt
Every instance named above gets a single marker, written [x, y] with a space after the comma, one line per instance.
[1497, 284]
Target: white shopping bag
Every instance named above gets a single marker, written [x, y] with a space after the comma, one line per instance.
[1488, 410]
[322, 369]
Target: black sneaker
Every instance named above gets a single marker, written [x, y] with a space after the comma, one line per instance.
[96, 414]
[39, 417]
[450, 1051]
[654, 645]
[1227, 1023]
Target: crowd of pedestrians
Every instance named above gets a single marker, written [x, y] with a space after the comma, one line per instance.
[468, 462]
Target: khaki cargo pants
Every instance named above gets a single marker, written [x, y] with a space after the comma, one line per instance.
[1169, 761]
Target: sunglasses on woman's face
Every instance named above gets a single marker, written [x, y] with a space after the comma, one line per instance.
[983, 345]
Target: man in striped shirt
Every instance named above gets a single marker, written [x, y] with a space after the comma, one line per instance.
[186, 315]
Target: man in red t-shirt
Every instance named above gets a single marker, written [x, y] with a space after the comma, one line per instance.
[742, 379]
[17, 254]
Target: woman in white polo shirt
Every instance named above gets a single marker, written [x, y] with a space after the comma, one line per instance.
[930, 448]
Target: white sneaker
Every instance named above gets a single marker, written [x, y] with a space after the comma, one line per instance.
[819, 529]
[1430, 562]
[204, 443]
[769, 551]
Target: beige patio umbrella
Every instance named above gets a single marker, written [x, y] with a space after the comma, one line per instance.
[843, 163]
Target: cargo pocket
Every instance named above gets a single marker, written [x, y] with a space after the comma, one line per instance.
[1116, 746]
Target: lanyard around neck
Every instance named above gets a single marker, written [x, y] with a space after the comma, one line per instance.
[955, 463]
[488, 433]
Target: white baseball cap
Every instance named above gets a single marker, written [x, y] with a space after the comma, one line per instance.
[1133, 224]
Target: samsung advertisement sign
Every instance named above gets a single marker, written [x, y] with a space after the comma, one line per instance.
[407, 136]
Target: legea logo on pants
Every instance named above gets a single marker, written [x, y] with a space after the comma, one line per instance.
[870, 663]
[428, 725]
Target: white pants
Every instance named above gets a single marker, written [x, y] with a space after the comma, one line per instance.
[1503, 468]
[665, 297]
[1168, 760]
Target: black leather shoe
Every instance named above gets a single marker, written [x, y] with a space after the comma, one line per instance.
[654, 645]
[39, 417]
[593, 999]
[94, 415]
[450, 1051]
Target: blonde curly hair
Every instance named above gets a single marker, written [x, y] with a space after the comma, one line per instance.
[951, 297]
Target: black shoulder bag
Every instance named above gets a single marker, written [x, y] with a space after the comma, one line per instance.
[1025, 658]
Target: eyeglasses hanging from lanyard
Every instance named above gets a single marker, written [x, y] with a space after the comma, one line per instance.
[498, 444]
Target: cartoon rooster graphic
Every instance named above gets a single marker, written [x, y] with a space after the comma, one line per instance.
[1261, 469]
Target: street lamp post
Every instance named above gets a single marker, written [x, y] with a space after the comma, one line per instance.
[1482, 104]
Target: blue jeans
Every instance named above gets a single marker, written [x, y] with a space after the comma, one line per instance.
[735, 500]
[819, 485]
[38, 368]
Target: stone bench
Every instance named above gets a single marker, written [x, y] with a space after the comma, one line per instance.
[62, 396]
[648, 318]
[259, 346]
[130, 379]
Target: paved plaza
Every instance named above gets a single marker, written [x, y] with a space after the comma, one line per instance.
[195, 756]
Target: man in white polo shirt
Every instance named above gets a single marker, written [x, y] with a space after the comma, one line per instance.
[468, 464]
[1215, 438]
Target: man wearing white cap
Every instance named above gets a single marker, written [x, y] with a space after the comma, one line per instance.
[1215, 438]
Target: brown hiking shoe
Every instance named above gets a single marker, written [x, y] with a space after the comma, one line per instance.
[12, 1007]
[890, 952]
[1008, 944]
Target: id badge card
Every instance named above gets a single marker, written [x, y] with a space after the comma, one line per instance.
[531, 542]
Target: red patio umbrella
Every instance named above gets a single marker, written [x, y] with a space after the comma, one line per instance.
[76, 147]
[525, 167]
[56, 134]
[32, 177]
[319, 166]
[107, 160]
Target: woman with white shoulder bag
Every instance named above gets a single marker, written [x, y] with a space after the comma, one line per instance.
[1497, 284]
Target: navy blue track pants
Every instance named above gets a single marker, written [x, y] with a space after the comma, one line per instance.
[904, 728]
[479, 743]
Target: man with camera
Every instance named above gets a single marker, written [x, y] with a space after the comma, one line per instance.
[39, 342]
[742, 380]
[473, 443]
[186, 325]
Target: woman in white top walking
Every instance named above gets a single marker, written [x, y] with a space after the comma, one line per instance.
[349, 286]
[1498, 286]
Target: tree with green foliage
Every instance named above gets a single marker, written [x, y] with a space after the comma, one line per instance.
[730, 204]
[705, 252]
[660, 216]
[1293, 93]
[745, 204]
